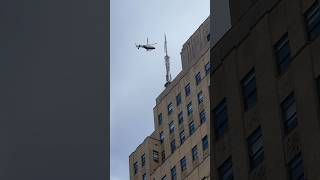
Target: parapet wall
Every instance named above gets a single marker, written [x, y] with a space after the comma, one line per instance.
[196, 45]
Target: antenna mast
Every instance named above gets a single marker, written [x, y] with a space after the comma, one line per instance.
[167, 63]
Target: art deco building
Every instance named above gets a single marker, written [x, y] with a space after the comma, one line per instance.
[264, 91]
[179, 146]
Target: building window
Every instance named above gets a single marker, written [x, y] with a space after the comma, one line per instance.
[162, 137]
[207, 68]
[183, 163]
[155, 155]
[170, 108]
[194, 153]
[296, 168]
[189, 108]
[205, 143]
[163, 156]
[135, 168]
[249, 89]
[283, 53]
[180, 117]
[182, 137]
[160, 119]
[173, 146]
[144, 176]
[225, 170]
[200, 97]
[178, 99]
[171, 127]
[198, 78]
[255, 148]
[164, 178]
[289, 115]
[187, 89]
[220, 117]
[312, 19]
[143, 160]
[173, 173]
[192, 128]
[208, 37]
[202, 115]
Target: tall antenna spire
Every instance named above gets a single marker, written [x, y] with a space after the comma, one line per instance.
[165, 45]
[167, 62]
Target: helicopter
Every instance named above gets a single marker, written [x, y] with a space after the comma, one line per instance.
[147, 46]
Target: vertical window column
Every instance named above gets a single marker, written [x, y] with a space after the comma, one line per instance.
[198, 78]
[192, 128]
[155, 156]
[180, 117]
[283, 53]
[173, 145]
[225, 170]
[161, 137]
[170, 108]
[173, 173]
[183, 163]
[194, 152]
[255, 148]
[220, 117]
[205, 143]
[249, 90]
[312, 19]
[189, 108]
[202, 115]
[200, 97]
[187, 89]
[182, 137]
[296, 168]
[171, 127]
[143, 160]
[160, 119]
[289, 113]
[135, 168]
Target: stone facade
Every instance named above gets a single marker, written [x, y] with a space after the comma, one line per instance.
[195, 59]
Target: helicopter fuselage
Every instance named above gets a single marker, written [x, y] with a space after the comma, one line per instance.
[147, 47]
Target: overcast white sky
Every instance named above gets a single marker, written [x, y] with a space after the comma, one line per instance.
[137, 76]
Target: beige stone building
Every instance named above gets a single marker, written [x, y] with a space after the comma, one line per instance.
[179, 146]
[264, 92]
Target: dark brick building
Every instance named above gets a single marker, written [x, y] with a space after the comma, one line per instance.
[264, 89]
